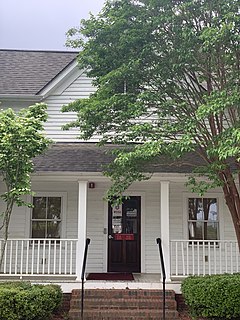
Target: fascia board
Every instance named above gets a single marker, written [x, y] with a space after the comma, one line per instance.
[62, 80]
[20, 97]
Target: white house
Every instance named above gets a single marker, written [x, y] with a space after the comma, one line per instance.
[47, 242]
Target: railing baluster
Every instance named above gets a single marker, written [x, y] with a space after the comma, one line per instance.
[209, 258]
[176, 254]
[49, 256]
[203, 259]
[16, 257]
[215, 259]
[183, 259]
[44, 256]
[10, 260]
[71, 256]
[231, 254]
[65, 259]
[193, 259]
[27, 258]
[226, 258]
[60, 258]
[33, 248]
[198, 258]
[220, 257]
[54, 257]
[21, 263]
[38, 256]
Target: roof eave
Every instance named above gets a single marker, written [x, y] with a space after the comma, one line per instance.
[21, 97]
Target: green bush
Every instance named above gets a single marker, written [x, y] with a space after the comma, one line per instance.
[21, 301]
[215, 297]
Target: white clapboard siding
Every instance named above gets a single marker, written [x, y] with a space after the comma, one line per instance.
[81, 88]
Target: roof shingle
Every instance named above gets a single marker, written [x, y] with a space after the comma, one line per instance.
[88, 157]
[27, 72]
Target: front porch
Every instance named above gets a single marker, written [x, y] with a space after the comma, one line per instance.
[48, 260]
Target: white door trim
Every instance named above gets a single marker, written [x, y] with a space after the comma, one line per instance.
[143, 212]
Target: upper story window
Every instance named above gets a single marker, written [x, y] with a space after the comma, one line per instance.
[203, 219]
[46, 217]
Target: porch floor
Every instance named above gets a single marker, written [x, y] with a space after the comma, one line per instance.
[141, 281]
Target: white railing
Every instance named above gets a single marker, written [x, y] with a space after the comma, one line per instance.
[39, 257]
[204, 257]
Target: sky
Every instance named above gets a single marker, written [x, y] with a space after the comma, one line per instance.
[41, 24]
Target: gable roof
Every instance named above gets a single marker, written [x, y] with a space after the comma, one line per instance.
[28, 72]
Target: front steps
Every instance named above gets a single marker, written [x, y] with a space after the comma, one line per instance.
[123, 304]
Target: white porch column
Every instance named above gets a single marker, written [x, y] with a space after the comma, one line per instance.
[165, 232]
[82, 225]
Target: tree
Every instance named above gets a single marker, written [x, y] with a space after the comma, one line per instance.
[167, 74]
[21, 139]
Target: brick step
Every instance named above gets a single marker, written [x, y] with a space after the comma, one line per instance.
[120, 303]
[122, 293]
[124, 315]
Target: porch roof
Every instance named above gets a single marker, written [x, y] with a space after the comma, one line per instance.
[88, 157]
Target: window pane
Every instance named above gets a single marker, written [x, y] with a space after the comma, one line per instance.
[39, 210]
[53, 229]
[211, 231]
[210, 209]
[54, 208]
[195, 209]
[195, 230]
[38, 229]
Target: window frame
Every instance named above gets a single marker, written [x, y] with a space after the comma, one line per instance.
[63, 196]
[186, 219]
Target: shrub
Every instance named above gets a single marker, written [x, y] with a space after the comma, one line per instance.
[28, 302]
[215, 296]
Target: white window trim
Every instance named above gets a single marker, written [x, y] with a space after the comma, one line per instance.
[217, 196]
[63, 195]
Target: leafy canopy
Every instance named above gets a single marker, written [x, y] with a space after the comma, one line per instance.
[21, 139]
[167, 74]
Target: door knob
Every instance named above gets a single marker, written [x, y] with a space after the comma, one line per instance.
[110, 237]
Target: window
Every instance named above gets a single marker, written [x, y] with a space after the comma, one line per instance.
[203, 223]
[46, 217]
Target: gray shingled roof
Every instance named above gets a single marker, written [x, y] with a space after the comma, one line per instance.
[87, 157]
[27, 72]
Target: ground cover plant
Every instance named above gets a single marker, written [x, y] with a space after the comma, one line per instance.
[23, 301]
[213, 297]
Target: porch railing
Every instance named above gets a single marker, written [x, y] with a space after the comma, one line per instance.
[39, 257]
[200, 257]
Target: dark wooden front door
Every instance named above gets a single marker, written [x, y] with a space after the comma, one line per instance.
[124, 236]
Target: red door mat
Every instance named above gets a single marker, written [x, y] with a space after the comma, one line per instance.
[112, 276]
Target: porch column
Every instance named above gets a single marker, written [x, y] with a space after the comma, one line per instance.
[165, 232]
[82, 225]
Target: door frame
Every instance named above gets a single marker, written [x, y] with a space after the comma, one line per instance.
[142, 226]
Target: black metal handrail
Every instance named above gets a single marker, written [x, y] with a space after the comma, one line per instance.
[83, 273]
[159, 242]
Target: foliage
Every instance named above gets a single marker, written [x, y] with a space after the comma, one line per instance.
[215, 296]
[21, 139]
[167, 75]
[25, 302]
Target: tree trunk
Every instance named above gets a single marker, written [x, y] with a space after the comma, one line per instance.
[232, 197]
[7, 215]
